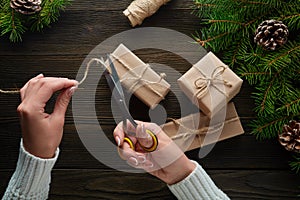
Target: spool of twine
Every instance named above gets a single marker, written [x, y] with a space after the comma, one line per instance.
[138, 10]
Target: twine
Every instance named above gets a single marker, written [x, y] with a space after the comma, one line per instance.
[138, 10]
[101, 61]
[203, 83]
[138, 78]
[196, 132]
[10, 91]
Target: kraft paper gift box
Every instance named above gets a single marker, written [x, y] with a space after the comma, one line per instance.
[138, 77]
[197, 130]
[210, 84]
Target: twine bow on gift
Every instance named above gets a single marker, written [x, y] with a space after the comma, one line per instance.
[203, 83]
[138, 78]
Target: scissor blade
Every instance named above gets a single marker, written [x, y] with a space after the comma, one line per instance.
[119, 97]
[115, 77]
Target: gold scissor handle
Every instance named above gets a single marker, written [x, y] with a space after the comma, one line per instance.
[147, 149]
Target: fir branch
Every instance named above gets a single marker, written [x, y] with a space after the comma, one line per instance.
[203, 42]
[226, 21]
[15, 24]
[267, 92]
[229, 26]
[270, 126]
[253, 2]
[11, 23]
[280, 56]
[291, 103]
[255, 73]
[295, 165]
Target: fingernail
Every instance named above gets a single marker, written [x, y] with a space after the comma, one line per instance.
[40, 75]
[149, 164]
[133, 161]
[141, 159]
[143, 132]
[72, 90]
[118, 141]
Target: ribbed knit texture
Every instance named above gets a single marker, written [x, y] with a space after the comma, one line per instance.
[32, 177]
[198, 185]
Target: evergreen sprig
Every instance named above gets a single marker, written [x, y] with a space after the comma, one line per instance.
[16, 24]
[229, 27]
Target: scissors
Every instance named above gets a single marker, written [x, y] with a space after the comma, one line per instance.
[118, 94]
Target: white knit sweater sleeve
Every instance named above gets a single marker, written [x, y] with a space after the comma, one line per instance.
[198, 185]
[32, 177]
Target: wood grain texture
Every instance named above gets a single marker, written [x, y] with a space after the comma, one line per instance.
[108, 184]
[242, 166]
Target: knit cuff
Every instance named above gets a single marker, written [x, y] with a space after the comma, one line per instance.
[31, 178]
[198, 185]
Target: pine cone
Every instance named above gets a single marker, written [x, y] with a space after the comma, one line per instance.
[26, 7]
[290, 136]
[271, 34]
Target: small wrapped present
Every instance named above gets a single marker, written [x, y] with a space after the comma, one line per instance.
[197, 130]
[139, 78]
[210, 84]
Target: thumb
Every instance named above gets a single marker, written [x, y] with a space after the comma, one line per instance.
[62, 103]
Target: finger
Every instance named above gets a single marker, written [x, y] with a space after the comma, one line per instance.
[50, 85]
[62, 103]
[24, 88]
[126, 153]
[119, 133]
[144, 132]
[147, 165]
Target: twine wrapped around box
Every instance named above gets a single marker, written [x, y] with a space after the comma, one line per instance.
[139, 78]
[210, 84]
[194, 131]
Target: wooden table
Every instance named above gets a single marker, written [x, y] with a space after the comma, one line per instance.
[242, 166]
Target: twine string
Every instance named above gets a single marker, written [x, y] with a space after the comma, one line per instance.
[203, 83]
[198, 132]
[101, 61]
[138, 78]
[9, 91]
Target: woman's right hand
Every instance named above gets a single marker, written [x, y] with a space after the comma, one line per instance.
[167, 162]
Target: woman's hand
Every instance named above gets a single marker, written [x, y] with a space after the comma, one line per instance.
[42, 132]
[167, 162]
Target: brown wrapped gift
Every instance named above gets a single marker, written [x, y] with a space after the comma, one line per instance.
[138, 77]
[196, 130]
[210, 84]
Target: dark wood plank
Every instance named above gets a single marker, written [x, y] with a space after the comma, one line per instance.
[242, 166]
[109, 184]
[108, 5]
[242, 152]
[80, 32]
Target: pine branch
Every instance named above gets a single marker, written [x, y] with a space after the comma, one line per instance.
[295, 165]
[15, 24]
[229, 27]
[280, 56]
[10, 23]
[267, 95]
